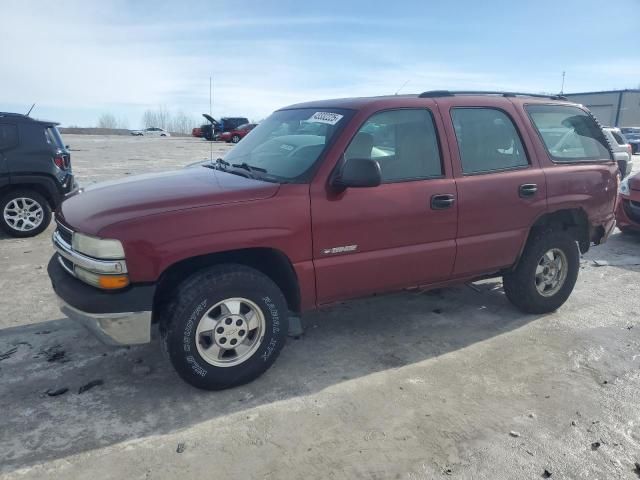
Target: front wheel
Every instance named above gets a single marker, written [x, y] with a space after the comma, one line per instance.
[545, 275]
[24, 213]
[235, 139]
[225, 327]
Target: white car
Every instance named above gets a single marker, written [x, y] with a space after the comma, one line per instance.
[150, 132]
[621, 149]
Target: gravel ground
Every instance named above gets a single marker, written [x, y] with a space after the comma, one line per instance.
[416, 385]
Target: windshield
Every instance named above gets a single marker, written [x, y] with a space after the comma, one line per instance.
[288, 143]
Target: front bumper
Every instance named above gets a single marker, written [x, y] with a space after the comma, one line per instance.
[628, 215]
[122, 317]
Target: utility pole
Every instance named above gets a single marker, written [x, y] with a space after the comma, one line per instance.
[562, 87]
[210, 96]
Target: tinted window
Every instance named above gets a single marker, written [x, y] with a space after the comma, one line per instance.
[402, 141]
[569, 133]
[53, 137]
[619, 138]
[8, 136]
[487, 140]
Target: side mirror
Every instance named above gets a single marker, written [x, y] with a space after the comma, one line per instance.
[358, 173]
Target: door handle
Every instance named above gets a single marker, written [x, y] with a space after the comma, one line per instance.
[441, 202]
[527, 190]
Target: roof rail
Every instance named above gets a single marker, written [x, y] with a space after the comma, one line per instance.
[450, 93]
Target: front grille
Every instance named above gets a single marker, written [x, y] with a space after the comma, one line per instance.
[632, 209]
[65, 233]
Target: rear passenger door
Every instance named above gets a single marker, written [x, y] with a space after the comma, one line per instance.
[398, 234]
[501, 189]
[8, 142]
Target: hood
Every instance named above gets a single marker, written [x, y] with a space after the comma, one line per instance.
[210, 118]
[104, 204]
[634, 182]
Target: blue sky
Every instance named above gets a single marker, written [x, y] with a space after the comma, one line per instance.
[78, 59]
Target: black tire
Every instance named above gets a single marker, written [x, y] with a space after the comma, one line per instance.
[520, 284]
[204, 290]
[235, 139]
[32, 195]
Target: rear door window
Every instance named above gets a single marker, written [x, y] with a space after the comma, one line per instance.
[8, 136]
[569, 133]
[487, 140]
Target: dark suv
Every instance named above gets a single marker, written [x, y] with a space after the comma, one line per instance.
[35, 173]
[332, 200]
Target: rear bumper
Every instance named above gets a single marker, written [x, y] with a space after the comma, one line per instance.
[117, 318]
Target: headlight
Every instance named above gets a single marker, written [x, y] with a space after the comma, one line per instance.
[97, 247]
[624, 187]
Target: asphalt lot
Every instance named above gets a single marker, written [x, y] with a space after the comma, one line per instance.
[415, 385]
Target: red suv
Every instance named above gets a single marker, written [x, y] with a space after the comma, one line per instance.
[237, 134]
[331, 200]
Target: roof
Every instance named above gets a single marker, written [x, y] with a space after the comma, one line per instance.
[356, 103]
[19, 117]
[634, 90]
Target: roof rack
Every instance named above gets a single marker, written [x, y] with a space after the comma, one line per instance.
[450, 93]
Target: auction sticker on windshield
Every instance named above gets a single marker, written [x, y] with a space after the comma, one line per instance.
[326, 117]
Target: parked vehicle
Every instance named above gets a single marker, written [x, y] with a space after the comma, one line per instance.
[628, 209]
[214, 128]
[331, 200]
[151, 132]
[632, 135]
[196, 132]
[621, 149]
[35, 173]
[237, 134]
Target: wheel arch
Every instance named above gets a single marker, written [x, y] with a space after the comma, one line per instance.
[271, 262]
[574, 221]
[44, 186]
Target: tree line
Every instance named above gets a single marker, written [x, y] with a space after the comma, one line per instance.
[161, 117]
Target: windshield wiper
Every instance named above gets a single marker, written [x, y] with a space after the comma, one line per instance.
[219, 164]
[249, 168]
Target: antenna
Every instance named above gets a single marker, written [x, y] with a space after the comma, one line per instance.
[213, 127]
[401, 87]
[562, 87]
[30, 110]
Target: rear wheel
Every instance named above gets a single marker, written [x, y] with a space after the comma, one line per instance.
[546, 273]
[235, 139]
[24, 213]
[225, 327]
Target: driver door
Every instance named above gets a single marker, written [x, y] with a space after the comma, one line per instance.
[369, 240]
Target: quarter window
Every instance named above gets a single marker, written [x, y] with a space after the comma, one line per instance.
[487, 140]
[569, 133]
[403, 142]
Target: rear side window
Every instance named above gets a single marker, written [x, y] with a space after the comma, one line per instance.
[620, 140]
[487, 140]
[403, 142]
[8, 136]
[53, 137]
[569, 133]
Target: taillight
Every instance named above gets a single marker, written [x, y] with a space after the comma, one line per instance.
[59, 161]
[630, 150]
